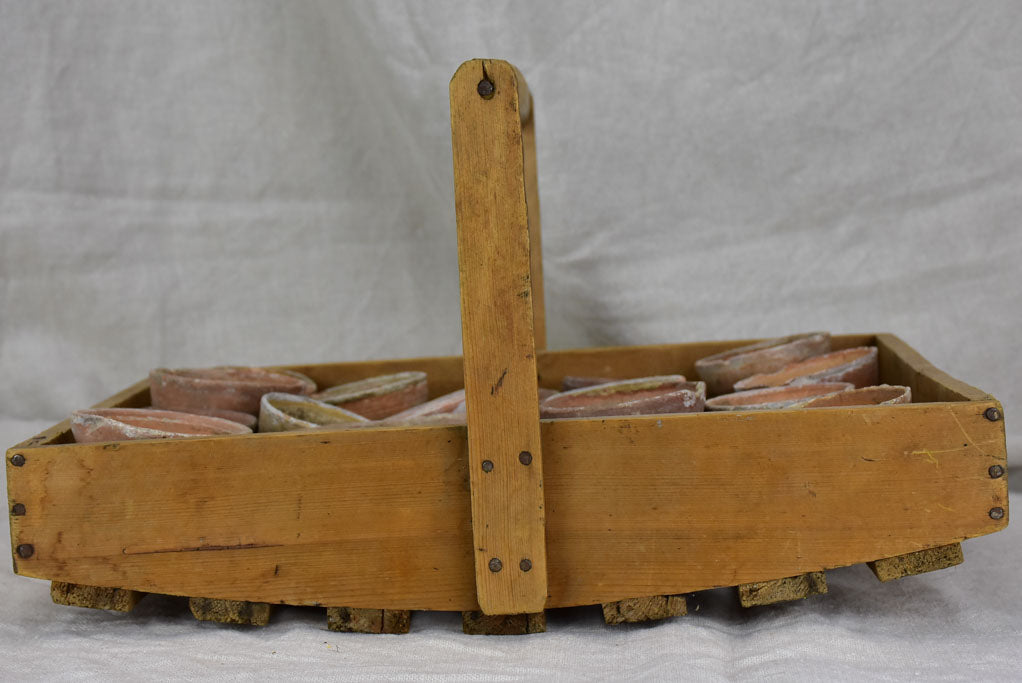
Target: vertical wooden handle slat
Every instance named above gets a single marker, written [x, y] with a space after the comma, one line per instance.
[495, 257]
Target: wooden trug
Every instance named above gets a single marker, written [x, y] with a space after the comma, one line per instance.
[699, 500]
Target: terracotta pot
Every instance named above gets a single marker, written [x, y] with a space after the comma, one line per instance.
[280, 412]
[643, 396]
[882, 395]
[379, 397]
[246, 419]
[774, 398]
[445, 404]
[720, 371]
[572, 382]
[858, 366]
[199, 390]
[126, 424]
[545, 393]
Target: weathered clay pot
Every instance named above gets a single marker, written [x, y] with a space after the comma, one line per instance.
[572, 382]
[379, 397]
[642, 396]
[545, 393]
[882, 395]
[774, 398]
[280, 412]
[246, 419]
[197, 390]
[126, 424]
[441, 405]
[720, 371]
[858, 366]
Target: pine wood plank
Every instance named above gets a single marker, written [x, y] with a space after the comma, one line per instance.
[701, 501]
[498, 338]
[920, 562]
[782, 590]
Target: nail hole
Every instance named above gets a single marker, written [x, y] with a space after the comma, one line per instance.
[18, 509]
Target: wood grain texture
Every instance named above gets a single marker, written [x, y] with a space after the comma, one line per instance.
[498, 339]
[94, 597]
[701, 501]
[365, 620]
[476, 623]
[901, 364]
[230, 611]
[637, 610]
[782, 590]
[929, 560]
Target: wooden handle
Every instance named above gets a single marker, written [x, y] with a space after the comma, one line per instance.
[497, 258]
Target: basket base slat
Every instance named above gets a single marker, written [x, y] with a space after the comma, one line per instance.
[636, 610]
[95, 597]
[929, 560]
[782, 590]
[230, 611]
[479, 624]
[364, 620]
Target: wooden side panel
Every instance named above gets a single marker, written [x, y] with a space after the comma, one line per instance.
[701, 501]
[532, 200]
[901, 364]
[494, 260]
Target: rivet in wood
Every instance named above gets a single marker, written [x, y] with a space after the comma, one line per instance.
[997, 513]
[525, 457]
[992, 414]
[25, 550]
[996, 471]
[17, 459]
[525, 565]
[495, 564]
[18, 509]
[487, 465]
[485, 88]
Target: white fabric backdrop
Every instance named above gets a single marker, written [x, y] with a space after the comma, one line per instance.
[195, 183]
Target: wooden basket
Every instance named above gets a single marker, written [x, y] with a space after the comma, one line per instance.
[628, 512]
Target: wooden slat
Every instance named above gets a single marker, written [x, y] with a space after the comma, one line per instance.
[782, 590]
[901, 364]
[94, 597]
[701, 501]
[532, 200]
[498, 339]
[919, 562]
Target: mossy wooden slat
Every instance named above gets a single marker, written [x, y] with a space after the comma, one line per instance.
[636, 610]
[231, 611]
[920, 562]
[498, 337]
[95, 597]
[782, 590]
[475, 623]
[364, 620]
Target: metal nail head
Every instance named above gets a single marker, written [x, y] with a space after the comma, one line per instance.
[525, 457]
[487, 465]
[17, 459]
[996, 471]
[25, 550]
[996, 513]
[495, 564]
[992, 414]
[18, 509]
[485, 88]
[525, 565]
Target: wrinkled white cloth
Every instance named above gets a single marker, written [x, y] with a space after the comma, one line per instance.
[259, 182]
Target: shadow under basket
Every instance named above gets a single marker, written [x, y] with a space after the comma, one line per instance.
[631, 513]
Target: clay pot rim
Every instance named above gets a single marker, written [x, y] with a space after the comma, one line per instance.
[424, 409]
[861, 355]
[722, 358]
[715, 403]
[672, 385]
[265, 403]
[119, 415]
[387, 384]
[179, 374]
[896, 390]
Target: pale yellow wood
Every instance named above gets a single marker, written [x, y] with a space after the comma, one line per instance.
[901, 364]
[495, 261]
[532, 199]
[919, 562]
[700, 501]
